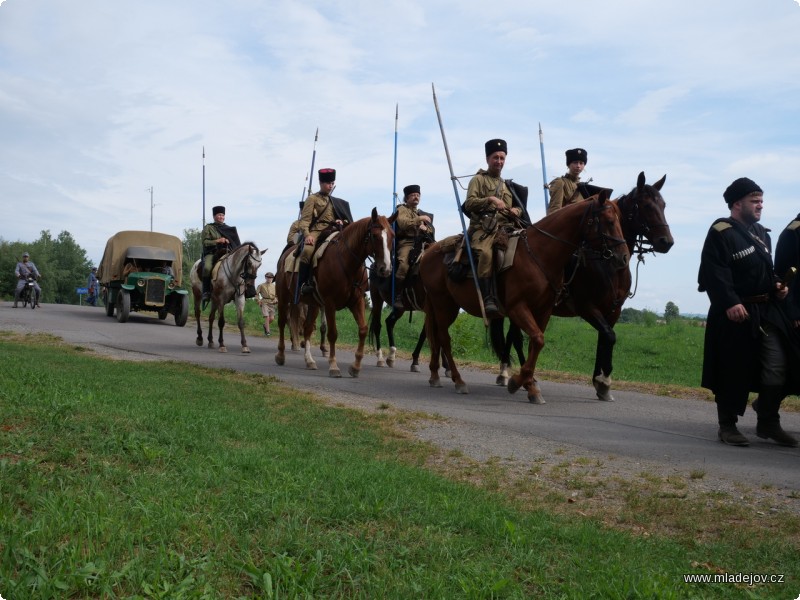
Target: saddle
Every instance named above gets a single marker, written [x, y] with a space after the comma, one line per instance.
[457, 262]
[292, 262]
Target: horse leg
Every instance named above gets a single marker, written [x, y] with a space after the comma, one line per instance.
[308, 331]
[240, 321]
[601, 377]
[323, 330]
[433, 342]
[375, 330]
[333, 333]
[280, 357]
[443, 333]
[211, 315]
[358, 315]
[391, 320]
[417, 350]
[521, 315]
[221, 324]
[197, 317]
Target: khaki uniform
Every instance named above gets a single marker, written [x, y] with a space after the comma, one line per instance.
[563, 192]
[267, 299]
[317, 215]
[484, 220]
[210, 236]
[291, 238]
[407, 226]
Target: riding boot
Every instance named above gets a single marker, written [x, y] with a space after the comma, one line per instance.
[206, 292]
[769, 421]
[303, 278]
[728, 433]
[399, 286]
[489, 300]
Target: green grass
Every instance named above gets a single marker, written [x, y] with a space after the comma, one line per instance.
[131, 480]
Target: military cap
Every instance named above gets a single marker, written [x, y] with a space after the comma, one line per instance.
[410, 189]
[739, 189]
[496, 145]
[218, 209]
[327, 175]
[577, 154]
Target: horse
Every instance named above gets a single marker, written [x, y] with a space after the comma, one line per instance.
[236, 271]
[341, 282]
[596, 292]
[380, 291]
[529, 289]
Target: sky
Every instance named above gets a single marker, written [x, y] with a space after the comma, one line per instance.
[102, 102]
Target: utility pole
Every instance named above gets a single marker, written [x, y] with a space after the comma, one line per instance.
[150, 189]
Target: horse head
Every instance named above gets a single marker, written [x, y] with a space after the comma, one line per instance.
[602, 230]
[380, 238]
[250, 260]
[643, 217]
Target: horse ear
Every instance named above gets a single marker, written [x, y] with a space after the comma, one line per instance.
[640, 181]
[660, 183]
[374, 213]
[603, 196]
[264, 251]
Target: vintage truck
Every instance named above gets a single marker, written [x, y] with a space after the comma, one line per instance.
[142, 271]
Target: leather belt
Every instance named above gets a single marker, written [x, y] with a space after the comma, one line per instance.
[759, 299]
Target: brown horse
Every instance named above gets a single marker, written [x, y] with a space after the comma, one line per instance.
[596, 291]
[341, 282]
[529, 289]
[237, 270]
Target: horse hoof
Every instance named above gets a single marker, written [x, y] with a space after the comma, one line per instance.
[381, 363]
[605, 397]
[448, 373]
[536, 399]
[353, 371]
[390, 363]
[324, 353]
[502, 381]
[199, 341]
[311, 366]
[334, 373]
[512, 386]
[245, 350]
[211, 345]
[280, 359]
[294, 347]
[223, 349]
[435, 383]
[461, 388]
[415, 368]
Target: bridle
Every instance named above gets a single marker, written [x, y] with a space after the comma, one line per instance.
[249, 268]
[633, 221]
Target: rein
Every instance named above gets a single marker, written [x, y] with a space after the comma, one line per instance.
[244, 275]
[639, 244]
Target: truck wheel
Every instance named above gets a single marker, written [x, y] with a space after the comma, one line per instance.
[182, 314]
[123, 306]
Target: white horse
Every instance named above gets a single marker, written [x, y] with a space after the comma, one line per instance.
[233, 273]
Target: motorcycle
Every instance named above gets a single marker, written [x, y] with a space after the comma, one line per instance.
[28, 293]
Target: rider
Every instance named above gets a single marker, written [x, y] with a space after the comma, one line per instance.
[22, 270]
[564, 190]
[412, 226]
[489, 205]
[217, 238]
[320, 211]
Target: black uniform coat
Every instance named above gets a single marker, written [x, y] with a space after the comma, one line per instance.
[787, 255]
[736, 266]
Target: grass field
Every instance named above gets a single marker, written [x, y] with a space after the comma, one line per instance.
[123, 480]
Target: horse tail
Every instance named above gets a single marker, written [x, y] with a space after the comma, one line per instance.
[497, 338]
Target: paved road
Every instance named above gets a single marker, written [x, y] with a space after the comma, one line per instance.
[677, 434]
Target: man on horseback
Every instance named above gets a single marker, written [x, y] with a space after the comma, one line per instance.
[218, 238]
[489, 206]
[320, 212]
[413, 227]
[565, 190]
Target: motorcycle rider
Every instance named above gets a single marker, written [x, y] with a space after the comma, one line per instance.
[22, 271]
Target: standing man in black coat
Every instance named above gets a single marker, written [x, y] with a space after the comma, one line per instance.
[748, 343]
[787, 256]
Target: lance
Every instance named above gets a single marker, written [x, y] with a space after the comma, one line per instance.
[544, 171]
[203, 217]
[394, 194]
[302, 242]
[309, 181]
[460, 211]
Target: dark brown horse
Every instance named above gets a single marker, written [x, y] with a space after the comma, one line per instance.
[529, 289]
[596, 291]
[380, 291]
[237, 270]
[341, 282]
